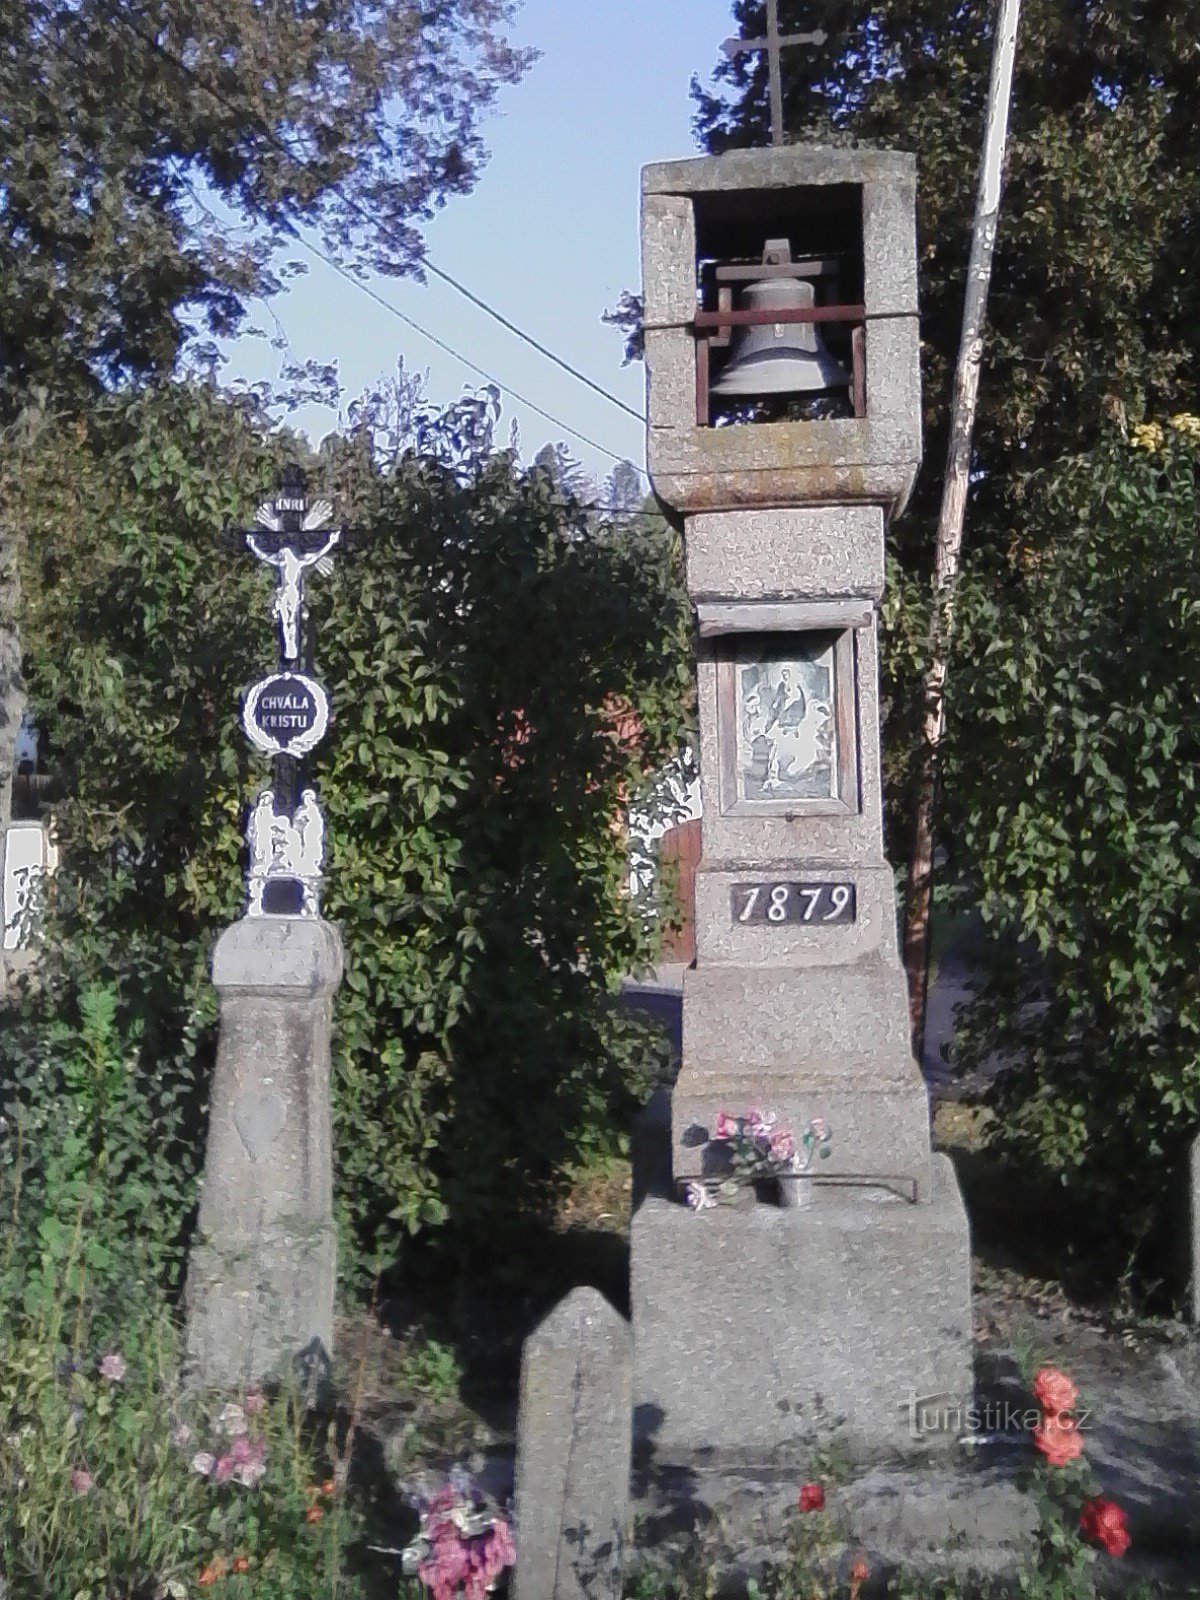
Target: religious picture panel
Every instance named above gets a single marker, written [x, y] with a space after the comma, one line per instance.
[785, 728]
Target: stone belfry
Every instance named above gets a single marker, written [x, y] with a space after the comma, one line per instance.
[782, 353]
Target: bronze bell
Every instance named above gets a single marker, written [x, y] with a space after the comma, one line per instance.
[779, 357]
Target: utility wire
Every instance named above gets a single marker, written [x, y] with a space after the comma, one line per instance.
[498, 316]
[450, 351]
[365, 216]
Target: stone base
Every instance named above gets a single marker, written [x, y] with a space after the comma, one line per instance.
[260, 1289]
[262, 1309]
[764, 1332]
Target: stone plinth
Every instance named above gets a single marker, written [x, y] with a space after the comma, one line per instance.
[769, 1331]
[261, 1278]
[574, 1444]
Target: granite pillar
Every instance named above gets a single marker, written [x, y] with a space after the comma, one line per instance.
[261, 1279]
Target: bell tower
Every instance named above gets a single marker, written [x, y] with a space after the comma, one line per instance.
[782, 355]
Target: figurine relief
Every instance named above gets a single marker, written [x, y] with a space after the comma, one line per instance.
[285, 847]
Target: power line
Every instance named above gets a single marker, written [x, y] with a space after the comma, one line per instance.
[374, 222]
[458, 356]
[499, 317]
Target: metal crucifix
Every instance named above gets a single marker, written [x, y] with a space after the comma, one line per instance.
[286, 714]
[774, 44]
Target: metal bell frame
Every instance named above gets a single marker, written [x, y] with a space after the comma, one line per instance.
[712, 328]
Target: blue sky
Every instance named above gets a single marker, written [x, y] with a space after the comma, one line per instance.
[549, 235]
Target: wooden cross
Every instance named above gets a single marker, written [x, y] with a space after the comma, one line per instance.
[774, 44]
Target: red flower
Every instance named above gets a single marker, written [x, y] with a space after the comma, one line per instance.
[812, 1497]
[313, 1514]
[1103, 1522]
[1054, 1391]
[214, 1570]
[1058, 1440]
[241, 1564]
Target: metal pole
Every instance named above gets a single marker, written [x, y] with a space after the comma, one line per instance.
[948, 546]
[775, 65]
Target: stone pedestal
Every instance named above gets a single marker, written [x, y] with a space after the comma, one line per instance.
[261, 1279]
[761, 1333]
[848, 1316]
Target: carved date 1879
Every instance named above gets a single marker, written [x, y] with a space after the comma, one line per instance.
[793, 902]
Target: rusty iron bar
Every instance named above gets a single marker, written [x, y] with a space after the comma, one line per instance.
[702, 379]
[759, 319]
[858, 370]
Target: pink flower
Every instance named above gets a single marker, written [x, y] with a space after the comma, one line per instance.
[759, 1123]
[203, 1463]
[113, 1367]
[726, 1127]
[232, 1419]
[781, 1144]
[249, 1461]
[1103, 1522]
[224, 1469]
[254, 1402]
[81, 1480]
[1058, 1439]
[1055, 1392]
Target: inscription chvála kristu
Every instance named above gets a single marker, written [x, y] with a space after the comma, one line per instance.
[286, 714]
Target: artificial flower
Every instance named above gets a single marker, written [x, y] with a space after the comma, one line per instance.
[781, 1144]
[812, 1497]
[726, 1127]
[254, 1402]
[203, 1463]
[1103, 1522]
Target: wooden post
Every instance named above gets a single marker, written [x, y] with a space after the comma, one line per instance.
[948, 547]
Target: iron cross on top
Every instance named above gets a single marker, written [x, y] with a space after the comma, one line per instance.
[292, 534]
[774, 44]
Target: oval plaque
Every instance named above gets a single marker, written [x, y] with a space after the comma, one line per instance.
[286, 714]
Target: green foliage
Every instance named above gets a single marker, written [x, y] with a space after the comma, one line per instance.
[484, 648]
[143, 202]
[431, 1369]
[1082, 829]
[99, 1494]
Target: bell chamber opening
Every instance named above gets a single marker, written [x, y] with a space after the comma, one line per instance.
[779, 321]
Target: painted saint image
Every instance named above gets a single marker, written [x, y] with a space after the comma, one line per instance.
[785, 726]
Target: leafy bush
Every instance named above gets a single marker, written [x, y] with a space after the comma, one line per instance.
[485, 644]
[115, 1482]
[1072, 781]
